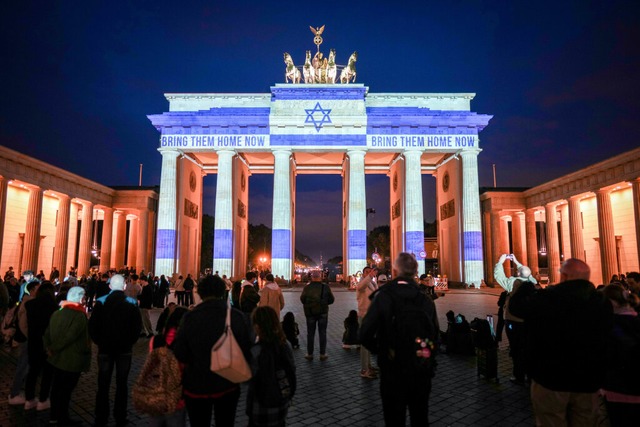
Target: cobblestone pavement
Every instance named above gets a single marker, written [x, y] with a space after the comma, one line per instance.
[331, 393]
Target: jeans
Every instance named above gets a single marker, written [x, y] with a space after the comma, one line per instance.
[224, 408]
[321, 320]
[38, 364]
[22, 368]
[63, 384]
[365, 356]
[106, 363]
[399, 393]
[517, 345]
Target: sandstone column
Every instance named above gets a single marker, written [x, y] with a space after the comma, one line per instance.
[519, 246]
[143, 232]
[635, 186]
[32, 231]
[532, 240]
[357, 214]
[4, 182]
[132, 244]
[223, 228]
[575, 228]
[86, 230]
[105, 244]
[118, 261]
[553, 246]
[471, 219]
[281, 245]
[414, 209]
[606, 232]
[62, 234]
[496, 240]
[167, 208]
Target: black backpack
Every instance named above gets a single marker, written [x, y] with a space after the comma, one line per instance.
[411, 330]
[275, 380]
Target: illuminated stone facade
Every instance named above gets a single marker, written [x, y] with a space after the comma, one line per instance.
[592, 214]
[52, 218]
[320, 129]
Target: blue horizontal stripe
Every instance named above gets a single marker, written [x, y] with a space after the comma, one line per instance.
[414, 242]
[357, 244]
[319, 140]
[166, 244]
[472, 245]
[222, 244]
[281, 244]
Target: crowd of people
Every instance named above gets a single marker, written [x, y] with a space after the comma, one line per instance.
[576, 346]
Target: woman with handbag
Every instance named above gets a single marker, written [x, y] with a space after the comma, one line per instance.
[274, 372]
[204, 390]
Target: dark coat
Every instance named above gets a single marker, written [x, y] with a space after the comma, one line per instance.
[39, 311]
[115, 323]
[146, 296]
[316, 298]
[567, 328]
[376, 328]
[200, 330]
[623, 354]
[249, 298]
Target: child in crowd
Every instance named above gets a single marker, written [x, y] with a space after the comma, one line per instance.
[351, 329]
[290, 328]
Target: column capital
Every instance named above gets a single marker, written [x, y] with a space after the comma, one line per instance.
[356, 152]
[169, 151]
[469, 152]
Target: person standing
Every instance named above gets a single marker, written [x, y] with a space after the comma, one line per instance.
[39, 311]
[179, 290]
[273, 367]
[567, 329]
[524, 273]
[28, 278]
[366, 286]
[188, 290]
[249, 297]
[145, 303]
[205, 391]
[114, 326]
[67, 343]
[401, 326]
[316, 298]
[271, 295]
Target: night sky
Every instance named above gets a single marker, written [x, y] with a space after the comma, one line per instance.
[560, 78]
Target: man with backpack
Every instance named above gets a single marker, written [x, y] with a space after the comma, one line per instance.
[401, 327]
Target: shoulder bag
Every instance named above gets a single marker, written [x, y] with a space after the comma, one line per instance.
[227, 359]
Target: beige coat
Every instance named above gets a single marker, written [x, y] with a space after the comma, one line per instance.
[271, 295]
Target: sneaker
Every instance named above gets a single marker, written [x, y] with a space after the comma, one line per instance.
[346, 346]
[30, 404]
[367, 373]
[323, 357]
[41, 406]
[309, 356]
[18, 399]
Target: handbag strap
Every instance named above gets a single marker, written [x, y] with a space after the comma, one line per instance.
[227, 322]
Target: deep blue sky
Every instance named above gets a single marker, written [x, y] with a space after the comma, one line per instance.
[560, 78]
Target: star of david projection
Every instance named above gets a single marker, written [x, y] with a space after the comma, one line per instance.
[318, 123]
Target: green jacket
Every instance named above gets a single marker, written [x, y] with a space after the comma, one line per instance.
[67, 340]
[316, 298]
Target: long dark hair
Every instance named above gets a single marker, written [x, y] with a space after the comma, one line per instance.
[268, 326]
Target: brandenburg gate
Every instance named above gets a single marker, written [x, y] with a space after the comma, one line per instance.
[326, 125]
